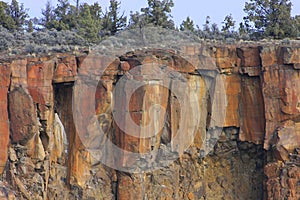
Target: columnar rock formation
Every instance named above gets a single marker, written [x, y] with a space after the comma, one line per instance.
[256, 154]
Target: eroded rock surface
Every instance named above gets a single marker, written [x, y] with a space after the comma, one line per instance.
[236, 140]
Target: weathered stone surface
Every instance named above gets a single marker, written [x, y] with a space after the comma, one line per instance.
[183, 65]
[40, 76]
[250, 61]
[288, 137]
[270, 55]
[65, 70]
[153, 118]
[18, 74]
[250, 71]
[221, 173]
[39, 80]
[112, 68]
[130, 187]
[281, 94]
[78, 161]
[35, 148]
[226, 57]
[218, 102]
[127, 119]
[252, 119]
[249, 56]
[187, 113]
[198, 92]
[200, 57]
[212, 112]
[142, 119]
[125, 66]
[5, 192]
[282, 181]
[4, 123]
[232, 86]
[22, 116]
[291, 55]
[272, 170]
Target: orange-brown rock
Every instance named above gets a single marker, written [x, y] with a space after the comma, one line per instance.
[65, 70]
[18, 74]
[201, 57]
[226, 57]
[4, 121]
[232, 86]
[112, 68]
[79, 160]
[228, 114]
[282, 181]
[125, 66]
[22, 111]
[273, 170]
[281, 91]
[252, 119]
[291, 55]
[40, 76]
[250, 61]
[270, 55]
[288, 136]
[23, 116]
[130, 187]
[249, 56]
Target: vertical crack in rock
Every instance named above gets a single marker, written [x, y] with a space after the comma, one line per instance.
[254, 153]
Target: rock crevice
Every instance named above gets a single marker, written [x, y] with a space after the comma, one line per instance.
[227, 125]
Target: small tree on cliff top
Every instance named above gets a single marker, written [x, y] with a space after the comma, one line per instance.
[13, 16]
[18, 14]
[6, 20]
[89, 22]
[228, 24]
[113, 21]
[187, 24]
[158, 13]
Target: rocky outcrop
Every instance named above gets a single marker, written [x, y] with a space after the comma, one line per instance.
[198, 121]
[4, 121]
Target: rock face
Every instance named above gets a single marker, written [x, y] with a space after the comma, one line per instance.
[198, 121]
[23, 116]
[4, 127]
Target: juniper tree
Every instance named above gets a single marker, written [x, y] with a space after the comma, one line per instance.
[6, 20]
[18, 13]
[187, 24]
[158, 13]
[206, 25]
[30, 27]
[89, 22]
[271, 18]
[48, 16]
[113, 21]
[228, 24]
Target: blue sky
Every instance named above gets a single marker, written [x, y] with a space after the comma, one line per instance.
[196, 9]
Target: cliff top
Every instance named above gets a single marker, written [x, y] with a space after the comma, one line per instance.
[53, 42]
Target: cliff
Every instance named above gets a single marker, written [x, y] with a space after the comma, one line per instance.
[88, 126]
